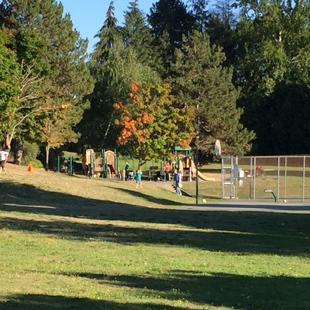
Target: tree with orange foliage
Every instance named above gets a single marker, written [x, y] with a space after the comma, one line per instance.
[150, 123]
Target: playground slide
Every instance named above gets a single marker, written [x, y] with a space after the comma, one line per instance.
[200, 175]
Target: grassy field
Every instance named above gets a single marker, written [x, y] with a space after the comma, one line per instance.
[67, 242]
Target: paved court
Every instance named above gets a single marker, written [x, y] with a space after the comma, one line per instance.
[263, 205]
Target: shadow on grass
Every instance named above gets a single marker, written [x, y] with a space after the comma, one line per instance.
[45, 302]
[160, 201]
[243, 232]
[218, 289]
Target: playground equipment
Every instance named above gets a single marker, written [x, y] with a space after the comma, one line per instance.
[66, 164]
[101, 164]
[200, 175]
[186, 164]
[188, 168]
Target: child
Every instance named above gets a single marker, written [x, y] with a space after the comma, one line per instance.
[138, 178]
[3, 157]
[177, 179]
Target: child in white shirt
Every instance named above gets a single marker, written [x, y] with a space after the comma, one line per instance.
[3, 157]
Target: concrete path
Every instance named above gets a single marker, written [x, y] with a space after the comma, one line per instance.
[253, 206]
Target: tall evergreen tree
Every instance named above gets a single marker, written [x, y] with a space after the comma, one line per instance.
[106, 35]
[221, 25]
[173, 17]
[218, 20]
[204, 86]
[201, 13]
[136, 32]
[169, 21]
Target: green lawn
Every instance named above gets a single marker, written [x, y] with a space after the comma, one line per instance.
[74, 243]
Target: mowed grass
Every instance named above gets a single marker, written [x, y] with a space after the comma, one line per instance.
[67, 242]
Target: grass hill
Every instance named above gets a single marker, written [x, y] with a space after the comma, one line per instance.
[68, 242]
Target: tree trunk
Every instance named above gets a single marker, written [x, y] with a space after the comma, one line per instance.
[141, 163]
[47, 154]
[19, 153]
[8, 141]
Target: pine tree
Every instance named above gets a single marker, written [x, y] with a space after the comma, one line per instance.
[169, 21]
[204, 87]
[136, 33]
[106, 36]
[201, 13]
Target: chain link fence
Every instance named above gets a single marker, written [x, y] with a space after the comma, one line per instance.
[263, 177]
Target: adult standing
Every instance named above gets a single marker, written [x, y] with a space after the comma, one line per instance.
[127, 167]
[3, 157]
[166, 170]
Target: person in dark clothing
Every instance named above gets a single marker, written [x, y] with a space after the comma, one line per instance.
[127, 168]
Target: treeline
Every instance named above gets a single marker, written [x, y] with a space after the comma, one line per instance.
[184, 74]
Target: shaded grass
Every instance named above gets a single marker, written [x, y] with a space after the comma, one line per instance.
[73, 243]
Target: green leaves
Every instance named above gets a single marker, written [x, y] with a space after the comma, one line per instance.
[50, 57]
[202, 84]
[273, 43]
[149, 122]
[10, 79]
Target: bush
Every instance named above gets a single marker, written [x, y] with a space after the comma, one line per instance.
[36, 163]
[30, 153]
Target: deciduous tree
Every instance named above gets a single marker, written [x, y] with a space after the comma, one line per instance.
[149, 122]
[10, 82]
[114, 78]
[273, 51]
[52, 58]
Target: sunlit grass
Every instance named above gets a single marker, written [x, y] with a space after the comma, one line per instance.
[74, 243]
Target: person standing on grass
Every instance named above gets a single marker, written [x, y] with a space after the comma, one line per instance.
[3, 157]
[127, 167]
[177, 181]
[166, 169]
[138, 178]
[180, 181]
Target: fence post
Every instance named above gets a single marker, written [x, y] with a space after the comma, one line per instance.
[303, 178]
[71, 165]
[278, 180]
[254, 178]
[285, 172]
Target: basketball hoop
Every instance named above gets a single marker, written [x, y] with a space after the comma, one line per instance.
[217, 148]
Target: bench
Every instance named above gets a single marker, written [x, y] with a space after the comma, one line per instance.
[266, 190]
[154, 168]
[146, 175]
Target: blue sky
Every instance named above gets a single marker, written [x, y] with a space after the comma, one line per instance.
[89, 16]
